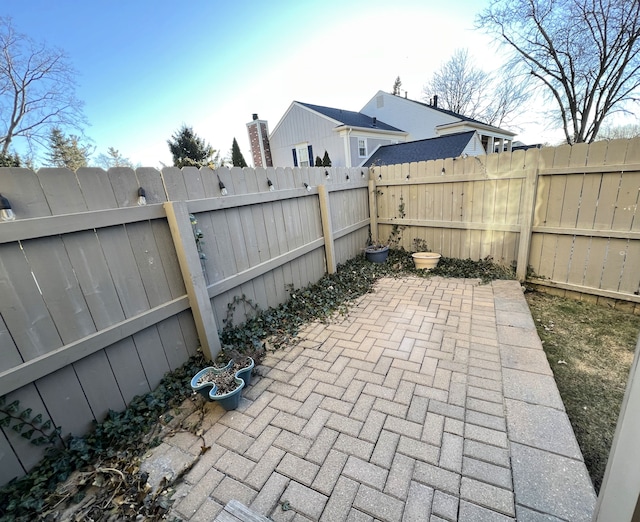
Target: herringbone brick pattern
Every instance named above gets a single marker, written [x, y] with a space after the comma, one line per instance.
[395, 412]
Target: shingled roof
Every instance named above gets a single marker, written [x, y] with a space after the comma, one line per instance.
[449, 146]
[350, 118]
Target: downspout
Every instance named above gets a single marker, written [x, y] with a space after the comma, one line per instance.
[347, 149]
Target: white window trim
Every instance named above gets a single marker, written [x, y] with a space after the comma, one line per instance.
[303, 147]
[365, 148]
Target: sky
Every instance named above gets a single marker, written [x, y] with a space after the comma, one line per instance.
[145, 68]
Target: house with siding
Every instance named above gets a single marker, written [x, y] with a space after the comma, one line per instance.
[306, 131]
[351, 138]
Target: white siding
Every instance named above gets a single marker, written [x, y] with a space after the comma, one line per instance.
[419, 121]
[474, 147]
[300, 125]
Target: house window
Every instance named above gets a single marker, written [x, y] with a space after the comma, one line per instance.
[362, 147]
[301, 155]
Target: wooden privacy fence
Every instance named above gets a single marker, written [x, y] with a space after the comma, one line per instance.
[567, 216]
[100, 297]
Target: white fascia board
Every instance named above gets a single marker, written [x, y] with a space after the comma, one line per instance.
[364, 132]
[472, 125]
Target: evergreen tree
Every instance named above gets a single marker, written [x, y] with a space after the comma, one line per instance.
[9, 160]
[318, 161]
[113, 158]
[237, 159]
[396, 86]
[326, 161]
[66, 151]
[188, 149]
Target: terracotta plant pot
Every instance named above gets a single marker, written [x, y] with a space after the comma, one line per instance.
[426, 260]
[376, 255]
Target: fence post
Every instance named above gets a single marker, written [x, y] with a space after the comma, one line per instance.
[373, 209]
[194, 279]
[526, 219]
[327, 228]
[619, 497]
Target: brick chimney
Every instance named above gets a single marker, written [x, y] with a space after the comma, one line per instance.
[259, 141]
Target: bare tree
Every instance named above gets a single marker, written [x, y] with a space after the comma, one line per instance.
[459, 85]
[615, 132]
[37, 90]
[585, 53]
[495, 98]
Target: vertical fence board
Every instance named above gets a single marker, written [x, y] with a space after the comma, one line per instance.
[27, 454]
[105, 299]
[11, 467]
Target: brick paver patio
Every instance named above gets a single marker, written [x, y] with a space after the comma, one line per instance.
[432, 400]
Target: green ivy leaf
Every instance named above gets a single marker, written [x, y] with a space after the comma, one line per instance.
[46, 425]
[37, 419]
[18, 427]
[5, 422]
[26, 414]
[28, 434]
[39, 441]
[13, 407]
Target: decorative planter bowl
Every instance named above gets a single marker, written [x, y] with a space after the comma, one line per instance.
[245, 373]
[231, 400]
[204, 388]
[376, 255]
[426, 260]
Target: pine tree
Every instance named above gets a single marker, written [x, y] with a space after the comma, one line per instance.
[10, 160]
[113, 158]
[66, 151]
[236, 155]
[188, 149]
[318, 161]
[326, 161]
[396, 86]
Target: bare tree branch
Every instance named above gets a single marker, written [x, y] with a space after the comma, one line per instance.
[585, 53]
[494, 98]
[37, 90]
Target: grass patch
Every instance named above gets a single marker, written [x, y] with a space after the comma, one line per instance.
[590, 349]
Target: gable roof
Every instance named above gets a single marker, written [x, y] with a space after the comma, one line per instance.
[350, 118]
[449, 146]
[460, 117]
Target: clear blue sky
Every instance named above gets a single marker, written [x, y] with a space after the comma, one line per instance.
[146, 67]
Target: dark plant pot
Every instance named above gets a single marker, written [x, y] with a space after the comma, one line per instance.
[231, 400]
[245, 373]
[204, 388]
[376, 255]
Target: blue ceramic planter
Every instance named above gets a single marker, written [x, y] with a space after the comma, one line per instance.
[376, 255]
[245, 373]
[204, 388]
[231, 400]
